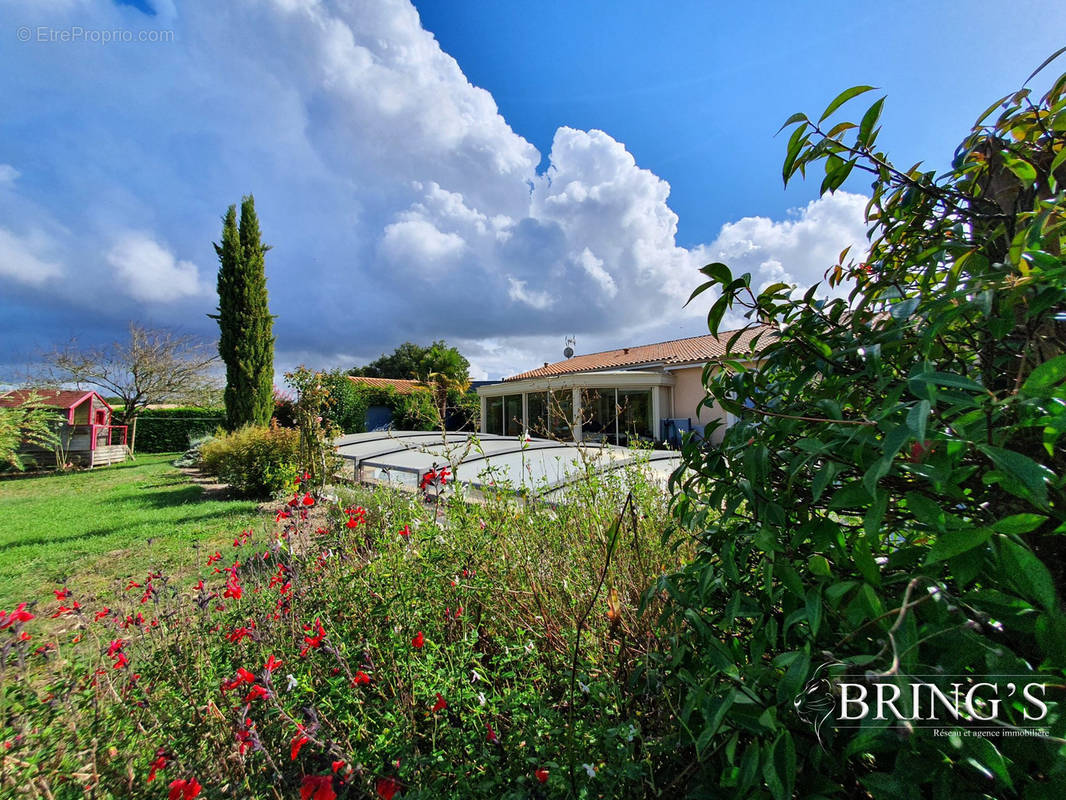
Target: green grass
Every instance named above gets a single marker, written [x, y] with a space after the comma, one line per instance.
[95, 529]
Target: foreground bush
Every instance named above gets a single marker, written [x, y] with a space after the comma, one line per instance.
[257, 462]
[377, 646]
[892, 502]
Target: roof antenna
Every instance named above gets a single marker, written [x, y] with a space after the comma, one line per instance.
[568, 351]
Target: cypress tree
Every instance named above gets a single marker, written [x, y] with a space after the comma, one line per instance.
[246, 340]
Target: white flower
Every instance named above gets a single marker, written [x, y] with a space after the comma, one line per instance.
[481, 698]
[529, 647]
[474, 677]
[591, 770]
[631, 733]
[584, 687]
[293, 683]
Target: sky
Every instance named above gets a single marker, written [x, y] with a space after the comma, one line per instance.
[502, 175]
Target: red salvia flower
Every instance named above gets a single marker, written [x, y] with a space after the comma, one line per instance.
[491, 735]
[256, 692]
[360, 678]
[121, 661]
[308, 499]
[405, 530]
[298, 742]
[317, 787]
[101, 614]
[20, 614]
[418, 641]
[541, 774]
[61, 594]
[182, 789]
[386, 788]
[212, 559]
[116, 646]
[159, 763]
[282, 515]
[351, 523]
[440, 705]
[272, 664]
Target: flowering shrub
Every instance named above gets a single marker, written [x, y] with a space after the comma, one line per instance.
[372, 646]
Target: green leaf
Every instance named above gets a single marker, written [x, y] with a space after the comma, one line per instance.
[917, 418]
[869, 119]
[799, 116]
[814, 610]
[1027, 573]
[842, 98]
[818, 565]
[1047, 375]
[951, 543]
[1019, 523]
[1030, 474]
[1023, 169]
[779, 768]
[945, 379]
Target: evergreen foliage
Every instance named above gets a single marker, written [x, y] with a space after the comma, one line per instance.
[246, 340]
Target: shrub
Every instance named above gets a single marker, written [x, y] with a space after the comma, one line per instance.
[170, 430]
[256, 462]
[193, 457]
[881, 507]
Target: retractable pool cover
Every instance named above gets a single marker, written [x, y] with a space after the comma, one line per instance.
[540, 467]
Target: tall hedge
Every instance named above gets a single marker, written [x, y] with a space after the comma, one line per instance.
[169, 430]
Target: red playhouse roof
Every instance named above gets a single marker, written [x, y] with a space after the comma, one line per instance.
[51, 398]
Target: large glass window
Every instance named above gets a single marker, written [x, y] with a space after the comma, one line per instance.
[634, 415]
[494, 415]
[537, 413]
[512, 415]
[599, 415]
[561, 414]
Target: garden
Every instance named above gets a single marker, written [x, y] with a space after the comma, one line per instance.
[886, 513]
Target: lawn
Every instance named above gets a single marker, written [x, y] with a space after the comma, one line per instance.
[95, 529]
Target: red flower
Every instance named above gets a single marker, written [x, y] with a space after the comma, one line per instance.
[541, 775]
[491, 735]
[351, 523]
[317, 787]
[272, 664]
[418, 641]
[61, 594]
[116, 646]
[308, 499]
[405, 530]
[360, 678]
[440, 705]
[282, 515]
[182, 789]
[297, 742]
[159, 763]
[121, 661]
[18, 615]
[101, 614]
[386, 787]
[212, 559]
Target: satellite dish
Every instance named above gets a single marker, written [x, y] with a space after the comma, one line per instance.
[568, 352]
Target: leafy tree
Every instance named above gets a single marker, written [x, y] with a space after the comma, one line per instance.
[891, 500]
[246, 340]
[411, 361]
[151, 366]
[27, 422]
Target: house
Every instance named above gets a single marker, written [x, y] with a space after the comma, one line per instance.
[83, 422]
[644, 393]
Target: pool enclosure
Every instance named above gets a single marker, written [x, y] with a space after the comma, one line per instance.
[619, 407]
[540, 468]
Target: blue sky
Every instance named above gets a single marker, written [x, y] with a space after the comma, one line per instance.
[501, 175]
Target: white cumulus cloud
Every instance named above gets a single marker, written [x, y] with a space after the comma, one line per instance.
[147, 271]
[25, 259]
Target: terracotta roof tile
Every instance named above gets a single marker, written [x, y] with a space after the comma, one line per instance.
[697, 349]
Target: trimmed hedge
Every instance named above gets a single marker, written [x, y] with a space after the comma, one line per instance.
[169, 430]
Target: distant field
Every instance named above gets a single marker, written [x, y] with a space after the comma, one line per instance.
[93, 530]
